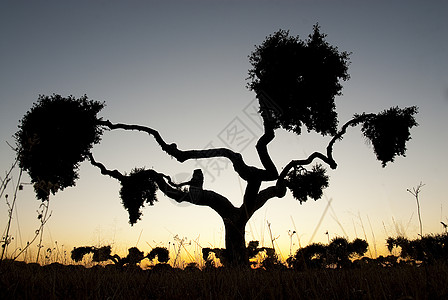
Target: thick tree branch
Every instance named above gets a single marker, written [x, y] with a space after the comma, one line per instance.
[244, 171]
[250, 198]
[215, 201]
[262, 149]
[307, 161]
[278, 190]
[193, 195]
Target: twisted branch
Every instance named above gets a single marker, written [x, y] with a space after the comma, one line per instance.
[194, 195]
[244, 171]
[328, 159]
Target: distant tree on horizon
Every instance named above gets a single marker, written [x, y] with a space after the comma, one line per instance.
[338, 253]
[134, 256]
[429, 248]
[295, 81]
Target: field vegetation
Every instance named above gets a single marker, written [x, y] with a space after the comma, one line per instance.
[333, 271]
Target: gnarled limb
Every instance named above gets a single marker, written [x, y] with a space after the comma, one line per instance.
[307, 161]
[112, 173]
[244, 171]
[262, 149]
[250, 198]
[328, 159]
[338, 136]
[278, 190]
[194, 195]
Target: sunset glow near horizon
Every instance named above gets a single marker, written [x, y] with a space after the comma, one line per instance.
[181, 68]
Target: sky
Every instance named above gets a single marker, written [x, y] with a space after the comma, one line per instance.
[180, 67]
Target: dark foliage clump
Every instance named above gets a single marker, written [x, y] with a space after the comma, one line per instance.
[358, 247]
[163, 255]
[304, 183]
[309, 257]
[297, 80]
[99, 254]
[54, 137]
[388, 132]
[219, 254]
[429, 248]
[102, 254]
[134, 256]
[338, 253]
[137, 188]
[79, 252]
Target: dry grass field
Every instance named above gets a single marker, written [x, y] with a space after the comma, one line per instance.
[31, 281]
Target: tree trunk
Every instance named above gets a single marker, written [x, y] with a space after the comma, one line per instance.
[236, 252]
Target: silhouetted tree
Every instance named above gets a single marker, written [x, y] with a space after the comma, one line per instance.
[99, 254]
[338, 253]
[295, 81]
[132, 259]
[428, 248]
[162, 254]
[312, 256]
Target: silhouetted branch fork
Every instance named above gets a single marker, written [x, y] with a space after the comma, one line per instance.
[117, 174]
[194, 195]
[278, 190]
[244, 171]
[307, 161]
[328, 159]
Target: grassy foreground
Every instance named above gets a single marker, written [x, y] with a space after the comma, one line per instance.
[31, 281]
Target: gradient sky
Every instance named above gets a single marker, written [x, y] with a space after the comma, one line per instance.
[181, 68]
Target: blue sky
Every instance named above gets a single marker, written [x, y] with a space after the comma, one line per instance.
[181, 68]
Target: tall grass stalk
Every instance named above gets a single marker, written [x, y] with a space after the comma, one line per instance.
[373, 236]
[270, 235]
[415, 192]
[354, 228]
[336, 219]
[320, 220]
[42, 216]
[297, 234]
[290, 233]
[11, 205]
[364, 231]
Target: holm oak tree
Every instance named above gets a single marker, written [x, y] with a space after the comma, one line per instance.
[295, 81]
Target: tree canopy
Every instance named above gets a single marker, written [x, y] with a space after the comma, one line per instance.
[296, 81]
[389, 131]
[54, 137]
